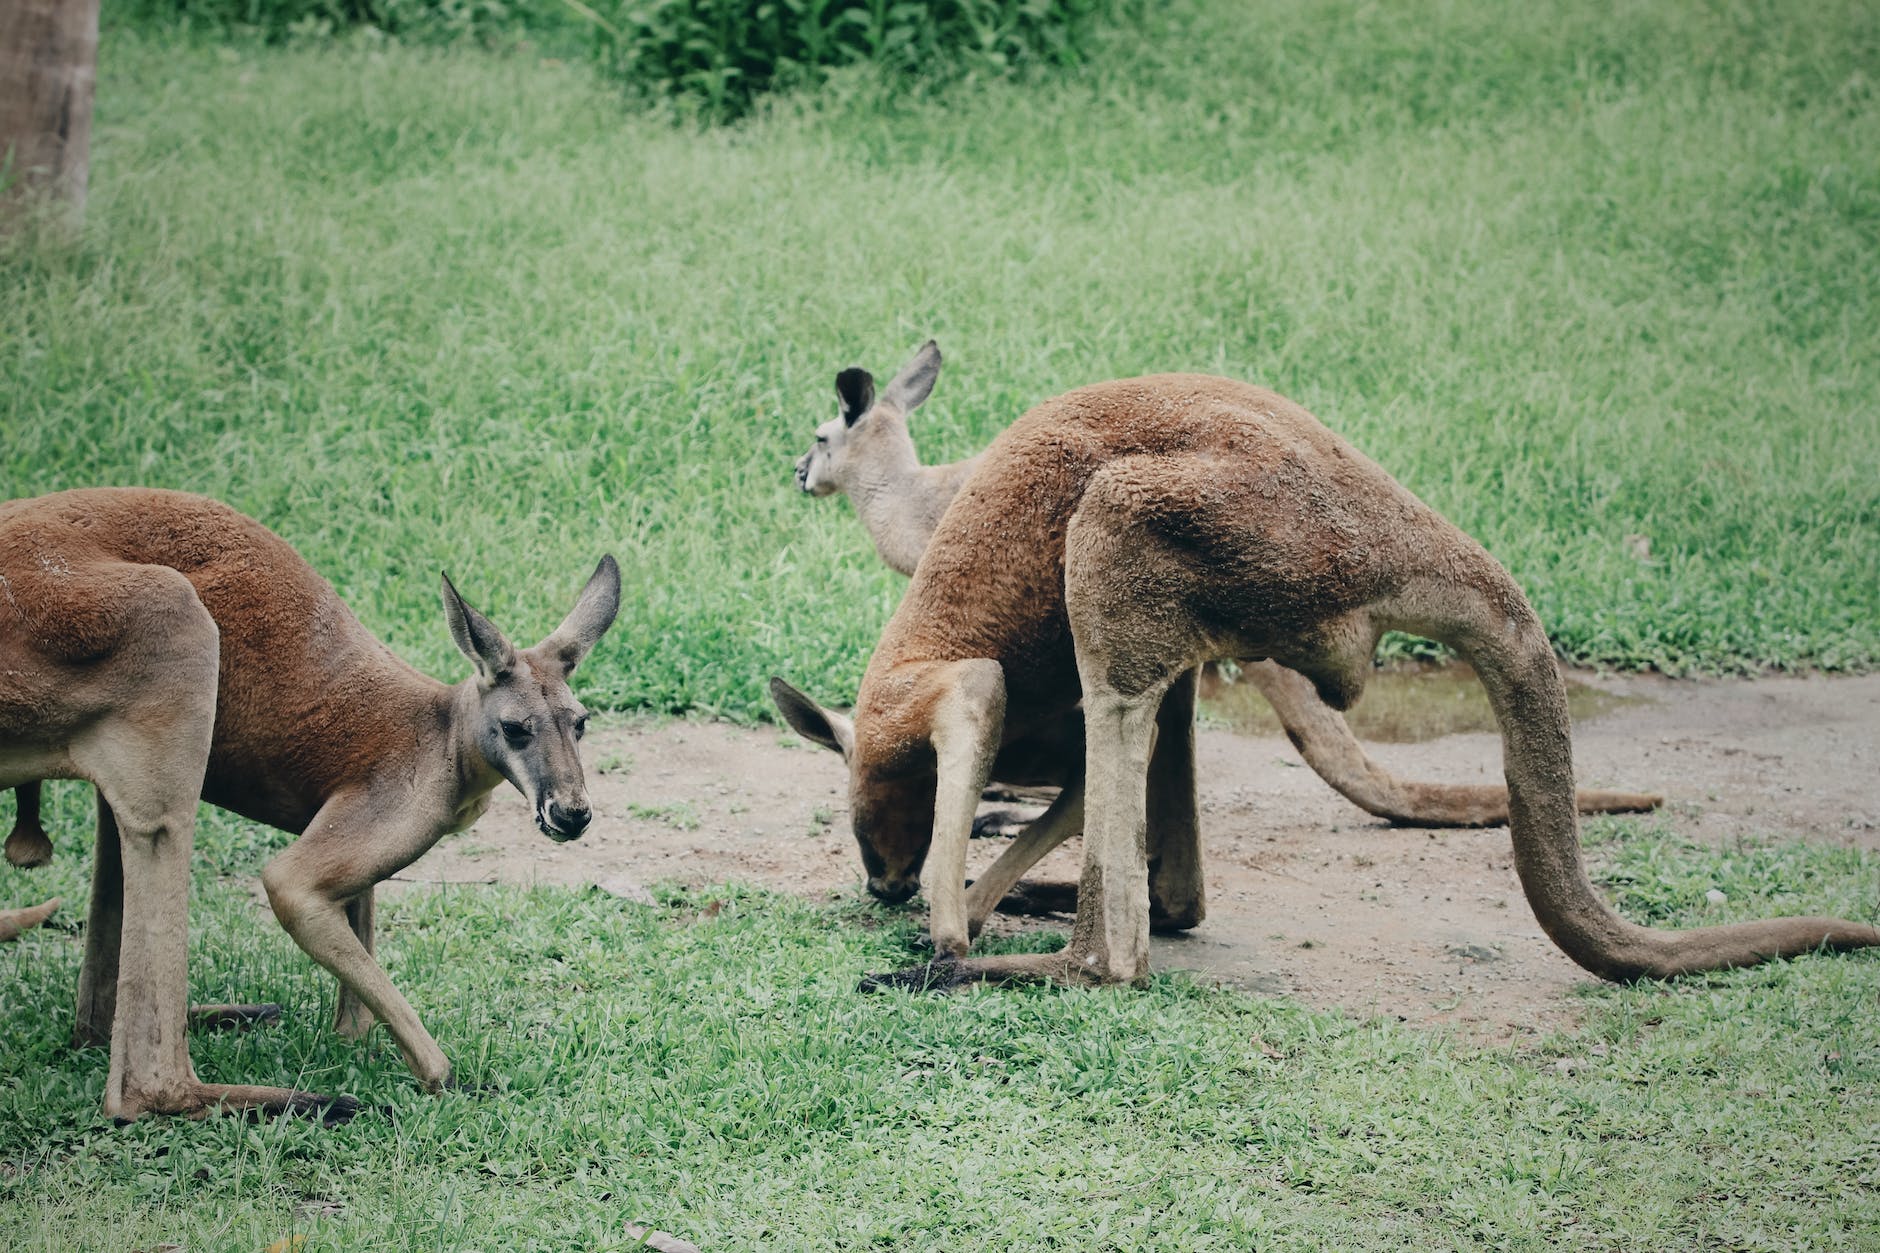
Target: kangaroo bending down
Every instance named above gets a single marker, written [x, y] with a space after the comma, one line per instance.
[165, 647]
[866, 453]
[1110, 542]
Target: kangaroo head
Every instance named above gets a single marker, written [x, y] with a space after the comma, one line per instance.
[892, 818]
[525, 721]
[866, 427]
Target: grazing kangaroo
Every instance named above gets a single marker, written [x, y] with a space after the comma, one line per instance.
[1110, 542]
[866, 453]
[165, 647]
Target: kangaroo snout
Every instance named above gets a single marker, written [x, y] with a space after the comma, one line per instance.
[892, 891]
[561, 822]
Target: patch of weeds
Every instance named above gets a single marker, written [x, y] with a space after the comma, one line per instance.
[679, 815]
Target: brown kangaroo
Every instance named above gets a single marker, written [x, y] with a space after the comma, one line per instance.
[1110, 542]
[165, 648]
[866, 453]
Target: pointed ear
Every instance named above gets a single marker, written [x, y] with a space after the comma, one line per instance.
[588, 620]
[855, 392]
[812, 721]
[915, 381]
[477, 638]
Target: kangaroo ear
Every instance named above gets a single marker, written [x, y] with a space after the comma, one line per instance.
[477, 638]
[915, 381]
[812, 721]
[568, 643]
[855, 392]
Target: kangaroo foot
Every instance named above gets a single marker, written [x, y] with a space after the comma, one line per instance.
[1005, 794]
[233, 1017]
[1000, 822]
[1037, 897]
[946, 975]
[934, 976]
[199, 1100]
[14, 921]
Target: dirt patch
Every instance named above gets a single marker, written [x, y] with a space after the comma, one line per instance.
[1307, 896]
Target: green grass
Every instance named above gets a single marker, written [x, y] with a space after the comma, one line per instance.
[708, 1065]
[1573, 272]
[1573, 275]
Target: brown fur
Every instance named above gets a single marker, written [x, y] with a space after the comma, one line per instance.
[867, 454]
[1115, 538]
[166, 647]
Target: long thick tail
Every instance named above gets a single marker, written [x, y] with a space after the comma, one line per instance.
[1505, 642]
[1324, 739]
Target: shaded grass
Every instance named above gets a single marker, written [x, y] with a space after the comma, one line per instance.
[708, 1065]
[1574, 275]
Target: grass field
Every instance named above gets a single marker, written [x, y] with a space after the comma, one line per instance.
[708, 1065]
[1575, 273]
[1586, 274]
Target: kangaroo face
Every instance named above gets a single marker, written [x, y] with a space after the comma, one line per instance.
[893, 828]
[525, 722]
[529, 725]
[843, 442]
[819, 471]
[892, 819]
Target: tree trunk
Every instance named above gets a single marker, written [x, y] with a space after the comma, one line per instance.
[48, 71]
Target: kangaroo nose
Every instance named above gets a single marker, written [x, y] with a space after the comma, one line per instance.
[569, 820]
[892, 892]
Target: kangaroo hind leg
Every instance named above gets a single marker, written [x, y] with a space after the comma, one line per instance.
[147, 753]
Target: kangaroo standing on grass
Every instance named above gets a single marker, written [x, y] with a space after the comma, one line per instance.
[1110, 542]
[866, 453]
[165, 647]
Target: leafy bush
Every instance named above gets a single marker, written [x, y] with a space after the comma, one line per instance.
[726, 52]
[421, 19]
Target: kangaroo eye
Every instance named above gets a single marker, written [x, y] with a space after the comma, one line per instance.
[516, 732]
[580, 726]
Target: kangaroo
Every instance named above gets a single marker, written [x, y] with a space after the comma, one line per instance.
[866, 453]
[165, 647]
[1111, 541]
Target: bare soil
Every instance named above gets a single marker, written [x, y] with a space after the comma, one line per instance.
[1307, 896]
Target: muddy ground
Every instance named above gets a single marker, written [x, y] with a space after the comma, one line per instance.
[1307, 896]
